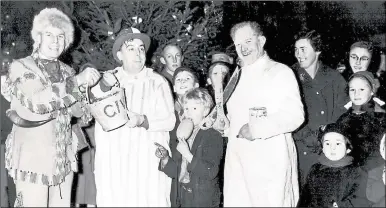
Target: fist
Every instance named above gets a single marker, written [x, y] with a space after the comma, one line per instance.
[109, 79]
[89, 76]
[161, 152]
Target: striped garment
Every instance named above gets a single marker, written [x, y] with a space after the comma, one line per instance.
[126, 168]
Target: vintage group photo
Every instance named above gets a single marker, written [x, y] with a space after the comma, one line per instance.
[193, 103]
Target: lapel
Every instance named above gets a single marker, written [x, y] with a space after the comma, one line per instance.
[30, 64]
[197, 142]
[322, 77]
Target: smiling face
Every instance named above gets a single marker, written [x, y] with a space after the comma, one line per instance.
[52, 42]
[359, 59]
[132, 55]
[172, 57]
[305, 53]
[249, 45]
[359, 91]
[184, 82]
[195, 110]
[334, 146]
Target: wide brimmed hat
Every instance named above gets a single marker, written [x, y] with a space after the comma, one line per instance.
[127, 34]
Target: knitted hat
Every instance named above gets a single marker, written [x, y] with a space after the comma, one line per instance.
[367, 76]
[332, 127]
[127, 34]
[183, 68]
[55, 18]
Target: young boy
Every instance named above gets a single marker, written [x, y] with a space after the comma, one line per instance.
[171, 59]
[334, 181]
[218, 73]
[184, 79]
[194, 166]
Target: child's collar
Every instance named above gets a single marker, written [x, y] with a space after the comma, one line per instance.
[347, 160]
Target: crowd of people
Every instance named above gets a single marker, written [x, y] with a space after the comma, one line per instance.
[265, 135]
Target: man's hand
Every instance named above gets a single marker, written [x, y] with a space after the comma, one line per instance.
[109, 79]
[135, 120]
[245, 133]
[162, 153]
[89, 76]
[183, 148]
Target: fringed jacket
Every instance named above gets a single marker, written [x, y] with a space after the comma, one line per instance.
[42, 91]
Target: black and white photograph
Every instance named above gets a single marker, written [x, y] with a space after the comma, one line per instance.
[134, 103]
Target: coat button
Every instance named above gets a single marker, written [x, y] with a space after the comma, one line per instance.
[322, 112]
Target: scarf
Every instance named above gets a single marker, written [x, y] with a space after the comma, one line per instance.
[347, 160]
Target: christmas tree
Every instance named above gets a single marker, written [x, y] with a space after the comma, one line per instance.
[191, 25]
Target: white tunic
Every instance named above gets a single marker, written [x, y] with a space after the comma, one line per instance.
[126, 168]
[263, 172]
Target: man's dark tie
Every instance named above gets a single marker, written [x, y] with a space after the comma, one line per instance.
[232, 84]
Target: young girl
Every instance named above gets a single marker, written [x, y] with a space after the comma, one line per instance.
[194, 165]
[334, 181]
[364, 111]
[375, 191]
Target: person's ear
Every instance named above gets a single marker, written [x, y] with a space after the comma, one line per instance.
[162, 60]
[348, 151]
[262, 39]
[119, 55]
[209, 81]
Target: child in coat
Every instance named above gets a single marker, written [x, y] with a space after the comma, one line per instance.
[375, 191]
[334, 181]
[194, 165]
[364, 111]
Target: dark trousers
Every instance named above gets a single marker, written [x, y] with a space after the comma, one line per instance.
[8, 190]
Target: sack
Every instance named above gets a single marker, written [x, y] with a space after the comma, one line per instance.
[110, 111]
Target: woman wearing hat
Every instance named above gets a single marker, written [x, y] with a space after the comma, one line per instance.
[40, 150]
[126, 170]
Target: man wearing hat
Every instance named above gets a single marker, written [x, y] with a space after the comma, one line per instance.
[126, 170]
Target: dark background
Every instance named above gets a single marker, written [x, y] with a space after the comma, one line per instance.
[340, 22]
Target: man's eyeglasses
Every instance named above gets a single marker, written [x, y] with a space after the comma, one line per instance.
[356, 58]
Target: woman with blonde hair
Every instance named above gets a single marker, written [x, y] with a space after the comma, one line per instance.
[45, 95]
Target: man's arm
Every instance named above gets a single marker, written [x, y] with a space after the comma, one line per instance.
[289, 114]
[164, 118]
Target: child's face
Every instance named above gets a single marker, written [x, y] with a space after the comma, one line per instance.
[334, 146]
[184, 82]
[359, 91]
[195, 110]
[218, 74]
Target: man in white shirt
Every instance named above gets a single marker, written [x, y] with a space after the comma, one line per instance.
[261, 160]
